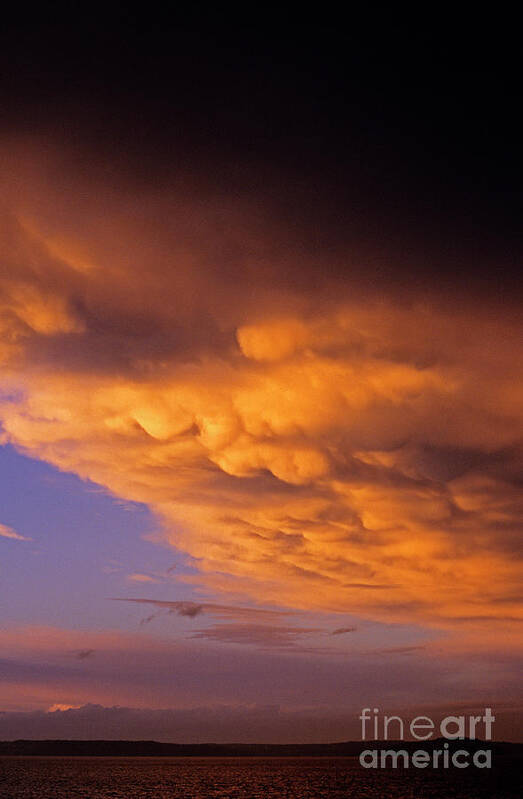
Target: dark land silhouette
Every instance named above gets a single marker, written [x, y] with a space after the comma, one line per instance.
[98, 748]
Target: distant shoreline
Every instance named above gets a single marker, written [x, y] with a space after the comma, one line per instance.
[110, 748]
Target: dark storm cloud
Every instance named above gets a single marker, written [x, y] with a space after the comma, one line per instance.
[408, 156]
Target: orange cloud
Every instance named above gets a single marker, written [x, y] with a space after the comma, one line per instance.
[339, 450]
[141, 578]
[8, 532]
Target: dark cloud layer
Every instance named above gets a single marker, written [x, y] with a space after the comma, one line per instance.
[407, 149]
[225, 724]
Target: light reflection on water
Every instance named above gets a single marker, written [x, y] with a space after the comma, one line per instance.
[241, 778]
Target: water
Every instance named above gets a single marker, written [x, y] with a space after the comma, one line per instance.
[242, 778]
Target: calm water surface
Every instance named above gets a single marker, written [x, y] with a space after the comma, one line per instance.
[241, 778]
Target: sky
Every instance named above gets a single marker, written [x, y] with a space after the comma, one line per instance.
[260, 384]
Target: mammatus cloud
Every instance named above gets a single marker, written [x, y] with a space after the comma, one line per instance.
[310, 439]
[8, 532]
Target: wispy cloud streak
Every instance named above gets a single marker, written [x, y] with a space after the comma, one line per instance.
[8, 532]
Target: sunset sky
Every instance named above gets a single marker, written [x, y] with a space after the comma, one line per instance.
[261, 406]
